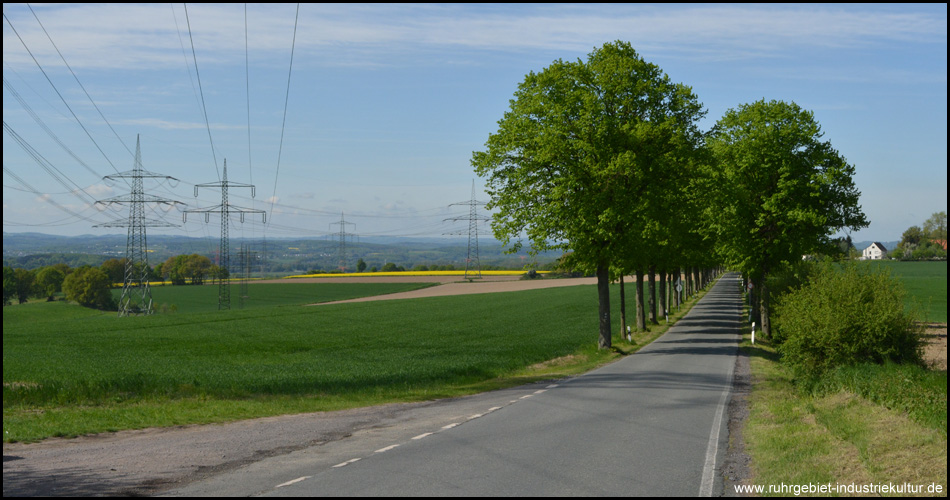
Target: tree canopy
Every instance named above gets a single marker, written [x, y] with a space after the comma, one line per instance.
[576, 160]
[90, 287]
[782, 191]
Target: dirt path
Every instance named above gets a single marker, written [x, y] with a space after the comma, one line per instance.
[466, 288]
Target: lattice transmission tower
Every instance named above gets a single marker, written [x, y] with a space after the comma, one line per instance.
[136, 296]
[342, 235]
[473, 267]
[225, 209]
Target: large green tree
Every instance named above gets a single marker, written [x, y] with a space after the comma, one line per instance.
[90, 287]
[49, 280]
[182, 268]
[781, 191]
[570, 165]
[936, 226]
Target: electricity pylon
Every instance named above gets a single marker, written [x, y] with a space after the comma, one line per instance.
[473, 267]
[136, 296]
[341, 253]
[225, 209]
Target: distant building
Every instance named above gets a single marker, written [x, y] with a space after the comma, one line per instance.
[875, 251]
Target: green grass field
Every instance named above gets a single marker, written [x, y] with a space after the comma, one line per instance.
[69, 370]
[926, 285]
[189, 299]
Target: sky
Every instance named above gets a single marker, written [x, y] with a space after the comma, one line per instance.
[363, 118]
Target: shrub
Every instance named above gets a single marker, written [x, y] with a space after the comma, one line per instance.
[840, 318]
[89, 286]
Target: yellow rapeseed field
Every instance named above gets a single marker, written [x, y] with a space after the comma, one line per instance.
[412, 273]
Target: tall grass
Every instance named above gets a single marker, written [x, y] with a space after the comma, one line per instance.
[914, 390]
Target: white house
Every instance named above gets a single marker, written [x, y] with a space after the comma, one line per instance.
[874, 252]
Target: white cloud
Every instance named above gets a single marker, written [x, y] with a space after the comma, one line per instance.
[147, 36]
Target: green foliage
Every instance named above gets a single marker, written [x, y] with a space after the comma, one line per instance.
[924, 244]
[360, 265]
[115, 269]
[24, 282]
[781, 191]
[583, 160]
[49, 280]
[183, 268]
[89, 287]
[9, 284]
[936, 226]
[840, 318]
[792, 277]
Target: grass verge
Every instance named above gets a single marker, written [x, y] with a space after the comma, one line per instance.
[861, 428]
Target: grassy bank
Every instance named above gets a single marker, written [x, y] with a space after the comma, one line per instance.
[70, 371]
[864, 425]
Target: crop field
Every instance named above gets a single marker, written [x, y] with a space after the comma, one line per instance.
[926, 286]
[188, 299]
[65, 366]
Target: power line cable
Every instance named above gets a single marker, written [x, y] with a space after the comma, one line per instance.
[54, 172]
[204, 108]
[38, 65]
[80, 83]
[42, 125]
[286, 101]
[43, 197]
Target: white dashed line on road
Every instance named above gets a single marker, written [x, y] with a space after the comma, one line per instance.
[288, 483]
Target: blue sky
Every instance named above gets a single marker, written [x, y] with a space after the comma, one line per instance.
[386, 103]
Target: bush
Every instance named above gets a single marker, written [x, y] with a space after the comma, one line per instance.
[840, 318]
[89, 286]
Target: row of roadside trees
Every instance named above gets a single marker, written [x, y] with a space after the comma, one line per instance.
[605, 158]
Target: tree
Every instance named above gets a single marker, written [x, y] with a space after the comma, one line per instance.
[570, 162]
[9, 284]
[49, 280]
[935, 228]
[912, 237]
[25, 281]
[115, 270]
[89, 287]
[181, 268]
[782, 191]
[360, 265]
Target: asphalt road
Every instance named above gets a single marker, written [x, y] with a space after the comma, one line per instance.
[652, 423]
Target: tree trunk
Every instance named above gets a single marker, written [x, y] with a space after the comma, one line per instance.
[764, 304]
[673, 279]
[603, 294]
[663, 301]
[652, 271]
[641, 310]
[623, 310]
